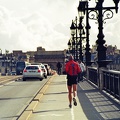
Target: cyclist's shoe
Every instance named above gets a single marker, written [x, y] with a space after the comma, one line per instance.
[70, 106]
[75, 102]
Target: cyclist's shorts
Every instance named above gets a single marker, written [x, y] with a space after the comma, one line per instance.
[71, 80]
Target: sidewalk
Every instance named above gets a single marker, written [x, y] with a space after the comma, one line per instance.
[92, 104]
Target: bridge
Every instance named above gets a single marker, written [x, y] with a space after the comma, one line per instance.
[97, 100]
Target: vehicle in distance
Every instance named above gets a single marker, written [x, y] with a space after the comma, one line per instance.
[33, 71]
[44, 70]
[48, 69]
[20, 65]
[12, 73]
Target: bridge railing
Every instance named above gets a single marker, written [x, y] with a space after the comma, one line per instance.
[110, 80]
[92, 75]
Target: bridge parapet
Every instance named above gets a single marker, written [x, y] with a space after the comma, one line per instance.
[107, 80]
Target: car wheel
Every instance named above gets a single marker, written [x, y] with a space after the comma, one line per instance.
[45, 76]
[24, 79]
[41, 79]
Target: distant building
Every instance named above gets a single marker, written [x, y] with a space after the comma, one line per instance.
[42, 56]
[50, 57]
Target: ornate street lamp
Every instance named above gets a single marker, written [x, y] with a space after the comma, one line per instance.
[100, 14]
[81, 8]
[69, 46]
[75, 29]
[6, 60]
[81, 32]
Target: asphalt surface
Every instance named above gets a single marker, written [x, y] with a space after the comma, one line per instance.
[16, 94]
[92, 104]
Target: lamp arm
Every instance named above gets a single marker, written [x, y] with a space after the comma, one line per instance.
[93, 14]
[107, 14]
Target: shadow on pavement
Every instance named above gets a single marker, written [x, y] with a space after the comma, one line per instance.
[95, 104]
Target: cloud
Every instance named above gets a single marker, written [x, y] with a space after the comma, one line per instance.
[29, 32]
[111, 31]
[25, 26]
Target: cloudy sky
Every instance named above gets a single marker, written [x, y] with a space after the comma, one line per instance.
[27, 24]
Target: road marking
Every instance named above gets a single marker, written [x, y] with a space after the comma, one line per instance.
[7, 83]
[56, 115]
[1, 85]
[72, 114]
[72, 110]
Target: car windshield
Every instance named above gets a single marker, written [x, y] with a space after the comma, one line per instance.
[32, 67]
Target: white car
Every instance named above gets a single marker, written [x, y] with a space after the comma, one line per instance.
[33, 71]
[44, 70]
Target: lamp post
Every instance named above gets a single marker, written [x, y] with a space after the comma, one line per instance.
[71, 46]
[82, 32]
[75, 29]
[82, 5]
[6, 55]
[11, 61]
[101, 14]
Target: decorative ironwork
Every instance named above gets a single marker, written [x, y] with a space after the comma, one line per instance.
[107, 14]
[101, 14]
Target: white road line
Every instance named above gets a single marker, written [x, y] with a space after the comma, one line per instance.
[7, 83]
[1, 85]
[72, 114]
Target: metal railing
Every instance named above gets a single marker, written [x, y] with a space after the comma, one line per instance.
[110, 80]
[92, 75]
[111, 83]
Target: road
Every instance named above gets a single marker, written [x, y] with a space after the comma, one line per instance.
[15, 96]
